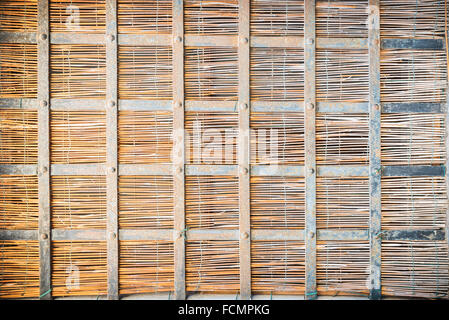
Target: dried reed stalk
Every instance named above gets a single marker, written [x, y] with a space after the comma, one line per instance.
[211, 73]
[342, 139]
[277, 18]
[415, 269]
[79, 268]
[413, 75]
[18, 15]
[146, 266]
[211, 17]
[140, 16]
[342, 203]
[413, 139]
[145, 136]
[342, 75]
[341, 19]
[78, 136]
[145, 202]
[78, 16]
[413, 203]
[211, 137]
[19, 269]
[212, 266]
[18, 202]
[145, 72]
[277, 74]
[277, 202]
[277, 138]
[78, 202]
[412, 19]
[278, 267]
[18, 70]
[77, 71]
[212, 202]
[18, 136]
[343, 267]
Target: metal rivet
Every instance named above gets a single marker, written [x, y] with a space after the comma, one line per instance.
[179, 169]
[244, 170]
[111, 37]
[112, 235]
[44, 36]
[179, 104]
[245, 40]
[44, 236]
[178, 39]
[245, 235]
[244, 106]
[311, 234]
[112, 103]
[377, 106]
[310, 41]
[112, 169]
[44, 103]
[44, 169]
[311, 171]
[310, 106]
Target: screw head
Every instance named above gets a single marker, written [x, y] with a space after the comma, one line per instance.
[112, 169]
[179, 169]
[179, 104]
[310, 41]
[111, 37]
[44, 236]
[44, 36]
[311, 171]
[245, 40]
[243, 170]
[310, 106]
[244, 106]
[178, 39]
[44, 169]
[245, 235]
[376, 106]
[311, 234]
[112, 235]
[112, 103]
[44, 103]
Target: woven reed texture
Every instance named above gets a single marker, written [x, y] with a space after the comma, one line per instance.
[145, 202]
[18, 202]
[277, 202]
[212, 266]
[18, 70]
[18, 136]
[19, 269]
[145, 137]
[146, 266]
[18, 15]
[278, 267]
[212, 202]
[80, 16]
[78, 268]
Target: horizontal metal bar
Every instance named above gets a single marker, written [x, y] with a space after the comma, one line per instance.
[343, 235]
[205, 170]
[343, 171]
[277, 170]
[267, 235]
[77, 38]
[65, 234]
[18, 169]
[13, 103]
[413, 171]
[153, 234]
[277, 42]
[210, 41]
[342, 107]
[342, 43]
[414, 107]
[419, 44]
[145, 169]
[18, 234]
[208, 106]
[421, 235]
[77, 169]
[197, 235]
[271, 106]
[146, 105]
[145, 39]
[77, 104]
[18, 37]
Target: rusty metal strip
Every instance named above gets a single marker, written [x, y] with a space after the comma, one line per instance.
[413, 171]
[310, 150]
[416, 44]
[210, 41]
[17, 103]
[144, 39]
[19, 235]
[17, 37]
[178, 159]
[20, 169]
[244, 151]
[66, 234]
[43, 95]
[374, 142]
[111, 148]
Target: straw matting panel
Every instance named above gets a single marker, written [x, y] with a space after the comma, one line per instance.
[78, 202]
[341, 19]
[343, 267]
[145, 202]
[77, 71]
[78, 16]
[142, 16]
[413, 203]
[277, 138]
[145, 136]
[278, 267]
[342, 139]
[211, 73]
[78, 136]
[211, 137]
[212, 202]
[146, 266]
[342, 203]
[413, 139]
[18, 202]
[214, 17]
[145, 72]
[79, 268]
[415, 269]
[18, 15]
[412, 18]
[18, 136]
[277, 74]
[277, 18]
[212, 266]
[342, 75]
[19, 269]
[18, 70]
[413, 75]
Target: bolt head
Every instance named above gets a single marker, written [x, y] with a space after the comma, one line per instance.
[311, 234]
[44, 169]
[179, 169]
[245, 40]
[112, 235]
[376, 106]
[310, 41]
[112, 169]
[245, 235]
[44, 236]
[44, 36]
[112, 103]
[111, 37]
[44, 103]
[311, 171]
[178, 39]
[244, 106]
[179, 104]
[310, 106]
[244, 170]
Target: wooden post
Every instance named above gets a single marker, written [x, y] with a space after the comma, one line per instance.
[111, 148]
[178, 149]
[43, 95]
[244, 151]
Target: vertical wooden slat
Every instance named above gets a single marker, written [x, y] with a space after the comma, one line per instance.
[43, 93]
[310, 158]
[374, 142]
[111, 148]
[178, 149]
[244, 151]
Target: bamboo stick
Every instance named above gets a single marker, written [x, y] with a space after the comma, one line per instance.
[18, 15]
[87, 16]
